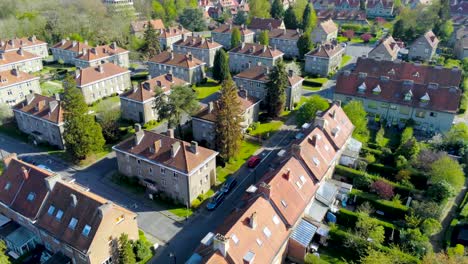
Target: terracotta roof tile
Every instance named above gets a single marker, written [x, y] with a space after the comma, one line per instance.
[40, 107]
[177, 59]
[174, 31]
[72, 45]
[100, 52]
[258, 50]
[206, 114]
[338, 127]
[11, 77]
[16, 43]
[260, 73]
[328, 26]
[198, 42]
[147, 88]
[140, 26]
[326, 50]
[92, 74]
[265, 23]
[284, 34]
[227, 29]
[185, 160]
[16, 56]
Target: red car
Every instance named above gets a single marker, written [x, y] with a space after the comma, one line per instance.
[253, 161]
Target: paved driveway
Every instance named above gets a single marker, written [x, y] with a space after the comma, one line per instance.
[357, 50]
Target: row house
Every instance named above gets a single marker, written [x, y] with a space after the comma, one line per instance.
[397, 92]
[171, 35]
[167, 166]
[200, 47]
[373, 8]
[255, 81]
[424, 47]
[204, 122]
[222, 34]
[258, 24]
[325, 31]
[336, 4]
[138, 28]
[286, 41]
[67, 50]
[102, 54]
[275, 221]
[125, 7]
[343, 16]
[31, 45]
[246, 54]
[21, 60]
[387, 50]
[64, 217]
[325, 59]
[41, 117]
[380, 8]
[182, 66]
[461, 43]
[138, 104]
[102, 81]
[15, 85]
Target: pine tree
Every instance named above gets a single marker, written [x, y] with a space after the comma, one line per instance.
[276, 94]
[398, 29]
[228, 121]
[290, 19]
[126, 254]
[221, 66]
[82, 134]
[309, 19]
[235, 37]
[151, 40]
[277, 9]
[263, 38]
[304, 44]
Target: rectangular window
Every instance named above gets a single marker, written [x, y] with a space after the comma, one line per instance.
[73, 223]
[59, 215]
[51, 210]
[404, 110]
[86, 230]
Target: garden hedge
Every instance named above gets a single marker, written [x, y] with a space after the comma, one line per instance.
[392, 211]
[349, 218]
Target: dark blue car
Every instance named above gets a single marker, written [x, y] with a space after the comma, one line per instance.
[215, 201]
[228, 185]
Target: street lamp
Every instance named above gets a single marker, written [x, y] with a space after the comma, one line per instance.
[172, 255]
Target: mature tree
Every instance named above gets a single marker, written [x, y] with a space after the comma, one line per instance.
[457, 251]
[141, 249]
[299, 6]
[241, 18]
[263, 38]
[5, 113]
[449, 170]
[277, 9]
[307, 111]
[276, 93]
[192, 19]
[304, 44]
[380, 138]
[221, 66]
[457, 133]
[259, 8]
[158, 10]
[108, 118]
[171, 10]
[430, 226]
[415, 242]
[369, 228]
[181, 101]
[356, 113]
[235, 37]
[383, 189]
[151, 45]
[410, 149]
[440, 191]
[444, 29]
[228, 121]
[426, 209]
[406, 135]
[392, 256]
[126, 254]
[290, 19]
[309, 19]
[398, 29]
[82, 134]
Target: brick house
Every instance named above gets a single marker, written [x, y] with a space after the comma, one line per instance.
[222, 34]
[424, 47]
[171, 35]
[387, 49]
[15, 85]
[102, 54]
[285, 40]
[19, 59]
[247, 54]
[326, 58]
[325, 31]
[41, 117]
[68, 50]
[102, 81]
[183, 66]
[255, 81]
[31, 45]
[380, 8]
[200, 47]
[166, 165]
[204, 122]
[394, 92]
[138, 28]
[138, 104]
[461, 43]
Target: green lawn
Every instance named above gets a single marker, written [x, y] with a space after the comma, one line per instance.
[313, 84]
[206, 89]
[247, 150]
[115, 100]
[62, 154]
[317, 80]
[50, 88]
[344, 60]
[264, 128]
[331, 255]
[148, 244]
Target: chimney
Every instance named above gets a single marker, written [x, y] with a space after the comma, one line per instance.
[24, 173]
[296, 150]
[74, 43]
[74, 200]
[242, 45]
[175, 147]
[169, 77]
[287, 175]
[264, 48]
[290, 73]
[184, 37]
[85, 51]
[148, 77]
[243, 93]
[320, 122]
[29, 98]
[12, 43]
[172, 55]
[221, 243]
[265, 189]
[210, 107]
[100, 68]
[253, 220]
[52, 105]
[170, 132]
[113, 45]
[2, 43]
[8, 158]
[158, 83]
[57, 96]
[190, 57]
[94, 50]
[249, 65]
[194, 147]
[15, 72]
[20, 52]
[33, 39]
[139, 134]
[333, 114]
[157, 146]
[40, 105]
[63, 42]
[267, 70]
[77, 73]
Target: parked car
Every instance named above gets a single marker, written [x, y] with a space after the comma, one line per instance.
[253, 161]
[44, 167]
[215, 201]
[229, 184]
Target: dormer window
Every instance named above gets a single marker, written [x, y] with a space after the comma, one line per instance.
[425, 98]
[392, 71]
[416, 74]
[72, 224]
[408, 95]
[362, 88]
[31, 196]
[86, 230]
[316, 161]
[377, 90]
[7, 186]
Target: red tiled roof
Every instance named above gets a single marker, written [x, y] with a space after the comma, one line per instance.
[146, 89]
[260, 73]
[16, 56]
[227, 28]
[100, 52]
[177, 59]
[419, 73]
[265, 23]
[140, 26]
[338, 127]
[347, 15]
[72, 45]
[206, 114]
[39, 107]
[328, 26]
[92, 74]
[184, 160]
[23, 179]
[11, 77]
[326, 50]
[16, 43]
[284, 34]
[258, 50]
[174, 31]
[198, 42]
